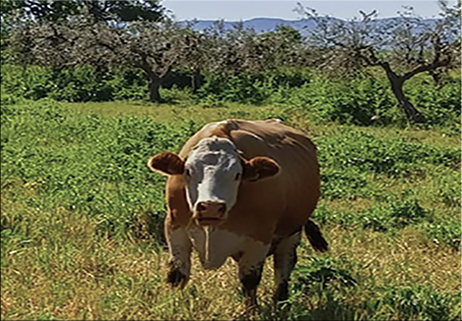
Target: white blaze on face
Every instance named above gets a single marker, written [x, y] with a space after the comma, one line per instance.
[213, 171]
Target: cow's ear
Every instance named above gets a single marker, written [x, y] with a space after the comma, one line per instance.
[167, 163]
[258, 168]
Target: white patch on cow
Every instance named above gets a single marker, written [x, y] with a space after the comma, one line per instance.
[253, 256]
[277, 120]
[217, 124]
[213, 126]
[254, 136]
[213, 170]
[208, 230]
[180, 250]
[215, 245]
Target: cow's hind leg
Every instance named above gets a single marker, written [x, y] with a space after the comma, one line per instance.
[250, 269]
[285, 258]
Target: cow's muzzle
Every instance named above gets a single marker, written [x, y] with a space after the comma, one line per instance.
[210, 213]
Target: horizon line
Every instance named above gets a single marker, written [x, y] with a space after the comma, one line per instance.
[292, 20]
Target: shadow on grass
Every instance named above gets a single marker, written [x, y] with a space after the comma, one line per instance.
[413, 302]
[302, 309]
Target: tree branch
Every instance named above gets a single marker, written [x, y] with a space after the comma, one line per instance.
[427, 67]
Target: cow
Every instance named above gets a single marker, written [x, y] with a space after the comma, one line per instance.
[241, 189]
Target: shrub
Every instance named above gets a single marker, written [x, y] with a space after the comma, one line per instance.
[382, 218]
[415, 303]
[348, 102]
[322, 271]
[445, 231]
[338, 183]
[440, 104]
[393, 157]
[352, 101]
[251, 88]
[78, 84]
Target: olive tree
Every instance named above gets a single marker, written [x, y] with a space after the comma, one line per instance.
[96, 10]
[194, 51]
[101, 34]
[402, 47]
[150, 47]
[241, 49]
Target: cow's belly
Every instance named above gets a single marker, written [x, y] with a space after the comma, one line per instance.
[217, 246]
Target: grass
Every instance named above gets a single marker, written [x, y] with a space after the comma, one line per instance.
[81, 219]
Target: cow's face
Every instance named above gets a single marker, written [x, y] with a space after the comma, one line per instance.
[212, 172]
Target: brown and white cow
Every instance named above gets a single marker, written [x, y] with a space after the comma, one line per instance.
[241, 189]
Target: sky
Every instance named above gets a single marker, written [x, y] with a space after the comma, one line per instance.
[243, 10]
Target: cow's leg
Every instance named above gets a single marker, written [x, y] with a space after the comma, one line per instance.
[179, 264]
[250, 270]
[285, 258]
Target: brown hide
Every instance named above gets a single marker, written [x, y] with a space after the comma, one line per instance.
[278, 205]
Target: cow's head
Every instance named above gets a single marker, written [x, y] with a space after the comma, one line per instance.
[212, 172]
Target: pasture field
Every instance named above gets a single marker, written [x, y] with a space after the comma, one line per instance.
[82, 219]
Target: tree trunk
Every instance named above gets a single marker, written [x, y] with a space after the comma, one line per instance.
[412, 114]
[154, 79]
[154, 86]
[196, 80]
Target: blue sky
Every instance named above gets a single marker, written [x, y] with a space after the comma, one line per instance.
[243, 10]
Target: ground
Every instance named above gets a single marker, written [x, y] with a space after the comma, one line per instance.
[81, 219]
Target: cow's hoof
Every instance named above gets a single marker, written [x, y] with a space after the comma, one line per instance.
[176, 279]
[282, 292]
[251, 310]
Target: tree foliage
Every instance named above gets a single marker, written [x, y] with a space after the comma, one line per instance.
[98, 11]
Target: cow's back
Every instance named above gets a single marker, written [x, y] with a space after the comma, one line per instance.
[281, 204]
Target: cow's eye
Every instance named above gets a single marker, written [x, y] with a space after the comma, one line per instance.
[188, 173]
[238, 175]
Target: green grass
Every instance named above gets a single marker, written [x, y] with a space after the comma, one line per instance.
[81, 219]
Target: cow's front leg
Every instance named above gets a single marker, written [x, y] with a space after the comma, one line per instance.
[250, 269]
[285, 258]
[179, 265]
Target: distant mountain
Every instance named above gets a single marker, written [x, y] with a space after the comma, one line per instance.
[303, 25]
[259, 24]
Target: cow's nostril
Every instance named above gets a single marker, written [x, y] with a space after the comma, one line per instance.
[222, 208]
[201, 207]
[211, 208]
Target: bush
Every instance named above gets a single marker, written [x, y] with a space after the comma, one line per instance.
[380, 218]
[251, 88]
[393, 157]
[348, 102]
[322, 271]
[353, 101]
[445, 231]
[31, 83]
[338, 183]
[415, 303]
[440, 104]
[78, 84]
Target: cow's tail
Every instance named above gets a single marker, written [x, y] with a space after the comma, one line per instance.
[315, 237]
